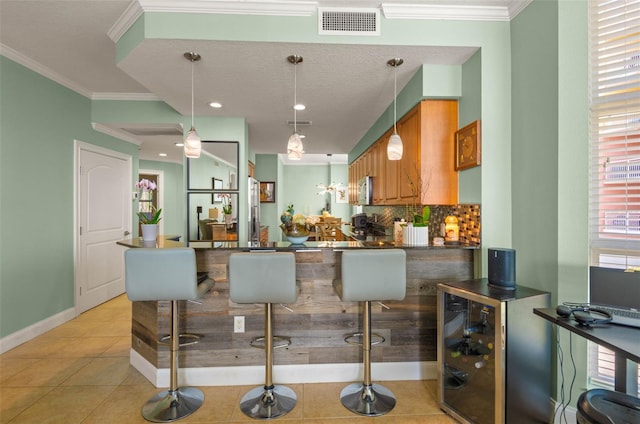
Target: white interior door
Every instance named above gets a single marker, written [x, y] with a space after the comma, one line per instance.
[103, 191]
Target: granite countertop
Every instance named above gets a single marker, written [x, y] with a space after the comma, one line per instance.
[314, 245]
[164, 242]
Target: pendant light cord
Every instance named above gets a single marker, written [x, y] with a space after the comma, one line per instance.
[395, 95]
[295, 96]
[192, 93]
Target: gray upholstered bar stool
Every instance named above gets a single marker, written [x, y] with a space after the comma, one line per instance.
[265, 277]
[167, 274]
[370, 274]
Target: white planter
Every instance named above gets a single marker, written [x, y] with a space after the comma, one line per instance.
[415, 236]
[149, 232]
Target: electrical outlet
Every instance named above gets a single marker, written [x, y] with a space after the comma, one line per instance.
[238, 324]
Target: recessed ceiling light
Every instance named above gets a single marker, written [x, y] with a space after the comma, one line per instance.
[162, 154]
[215, 105]
[299, 106]
[179, 144]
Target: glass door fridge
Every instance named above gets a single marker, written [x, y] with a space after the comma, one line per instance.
[493, 354]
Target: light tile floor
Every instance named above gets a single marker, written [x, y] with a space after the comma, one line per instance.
[79, 372]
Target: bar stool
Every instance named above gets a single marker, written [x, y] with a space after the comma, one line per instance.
[370, 274]
[167, 274]
[267, 277]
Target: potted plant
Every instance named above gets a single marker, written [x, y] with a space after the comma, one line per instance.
[227, 209]
[149, 223]
[149, 216]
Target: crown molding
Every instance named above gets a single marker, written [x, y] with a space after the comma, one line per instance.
[48, 73]
[122, 135]
[43, 70]
[124, 22]
[517, 6]
[144, 97]
[255, 7]
[449, 12]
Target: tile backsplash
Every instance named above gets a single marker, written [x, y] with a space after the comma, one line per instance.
[468, 218]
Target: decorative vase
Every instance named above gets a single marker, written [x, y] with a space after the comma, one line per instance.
[149, 232]
[228, 219]
[286, 219]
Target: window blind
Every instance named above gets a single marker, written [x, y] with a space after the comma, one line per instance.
[614, 147]
[615, 128]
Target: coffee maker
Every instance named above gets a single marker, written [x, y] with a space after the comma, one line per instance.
[359, 225]
[359, 221]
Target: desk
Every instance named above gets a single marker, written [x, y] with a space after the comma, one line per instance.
[623, 341]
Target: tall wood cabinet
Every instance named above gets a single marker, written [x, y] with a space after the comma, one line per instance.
[425, 174]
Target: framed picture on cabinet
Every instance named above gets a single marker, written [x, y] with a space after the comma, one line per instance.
[267, 192]
[467, 146]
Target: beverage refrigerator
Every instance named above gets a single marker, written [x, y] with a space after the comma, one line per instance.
[494, 354]
[254, 211]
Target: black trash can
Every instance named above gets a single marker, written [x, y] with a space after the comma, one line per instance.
[599, 406]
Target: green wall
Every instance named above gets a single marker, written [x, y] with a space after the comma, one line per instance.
[469, 110]
[40, 121]
[550, 154]
[267, 170]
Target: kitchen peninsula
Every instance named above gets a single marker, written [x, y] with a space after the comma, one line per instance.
[316, 324]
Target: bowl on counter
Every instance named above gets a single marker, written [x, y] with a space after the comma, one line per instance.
[297, 240]
[296, 234]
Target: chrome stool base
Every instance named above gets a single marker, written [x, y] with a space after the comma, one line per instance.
[173, 405]
[185, 339]
[268, 402]
[370, 400]
[278, 342]
[358, 339]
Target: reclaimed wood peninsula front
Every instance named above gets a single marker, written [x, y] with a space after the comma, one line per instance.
[316, 324]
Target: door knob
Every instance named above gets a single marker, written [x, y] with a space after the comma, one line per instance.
[126, 233]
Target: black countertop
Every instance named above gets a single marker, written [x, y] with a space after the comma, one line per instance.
[281, 245]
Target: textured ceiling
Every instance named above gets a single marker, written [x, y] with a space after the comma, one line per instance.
[345, 87]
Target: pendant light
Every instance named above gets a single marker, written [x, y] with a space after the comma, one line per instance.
[294, 146]
[394, 146]
[192, 143]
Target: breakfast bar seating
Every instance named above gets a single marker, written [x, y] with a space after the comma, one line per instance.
[167, 274]
[265, 277]
[370, 274]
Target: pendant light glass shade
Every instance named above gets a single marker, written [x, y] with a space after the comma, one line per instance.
[192, 142]
[394, 146]
[294, 147]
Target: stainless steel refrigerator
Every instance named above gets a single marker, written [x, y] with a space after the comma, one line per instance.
[254, 211]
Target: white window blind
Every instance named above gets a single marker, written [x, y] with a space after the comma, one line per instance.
[615, 127]
[614, 186]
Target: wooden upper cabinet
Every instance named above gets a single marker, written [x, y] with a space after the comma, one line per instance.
[379, 152]
[438, 126]
[425, 174]
[409, 166]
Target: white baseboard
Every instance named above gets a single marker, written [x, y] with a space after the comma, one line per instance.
[35, 330]
[570, 414]
[284, 374]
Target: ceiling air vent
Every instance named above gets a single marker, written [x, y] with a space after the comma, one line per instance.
[349, 21]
